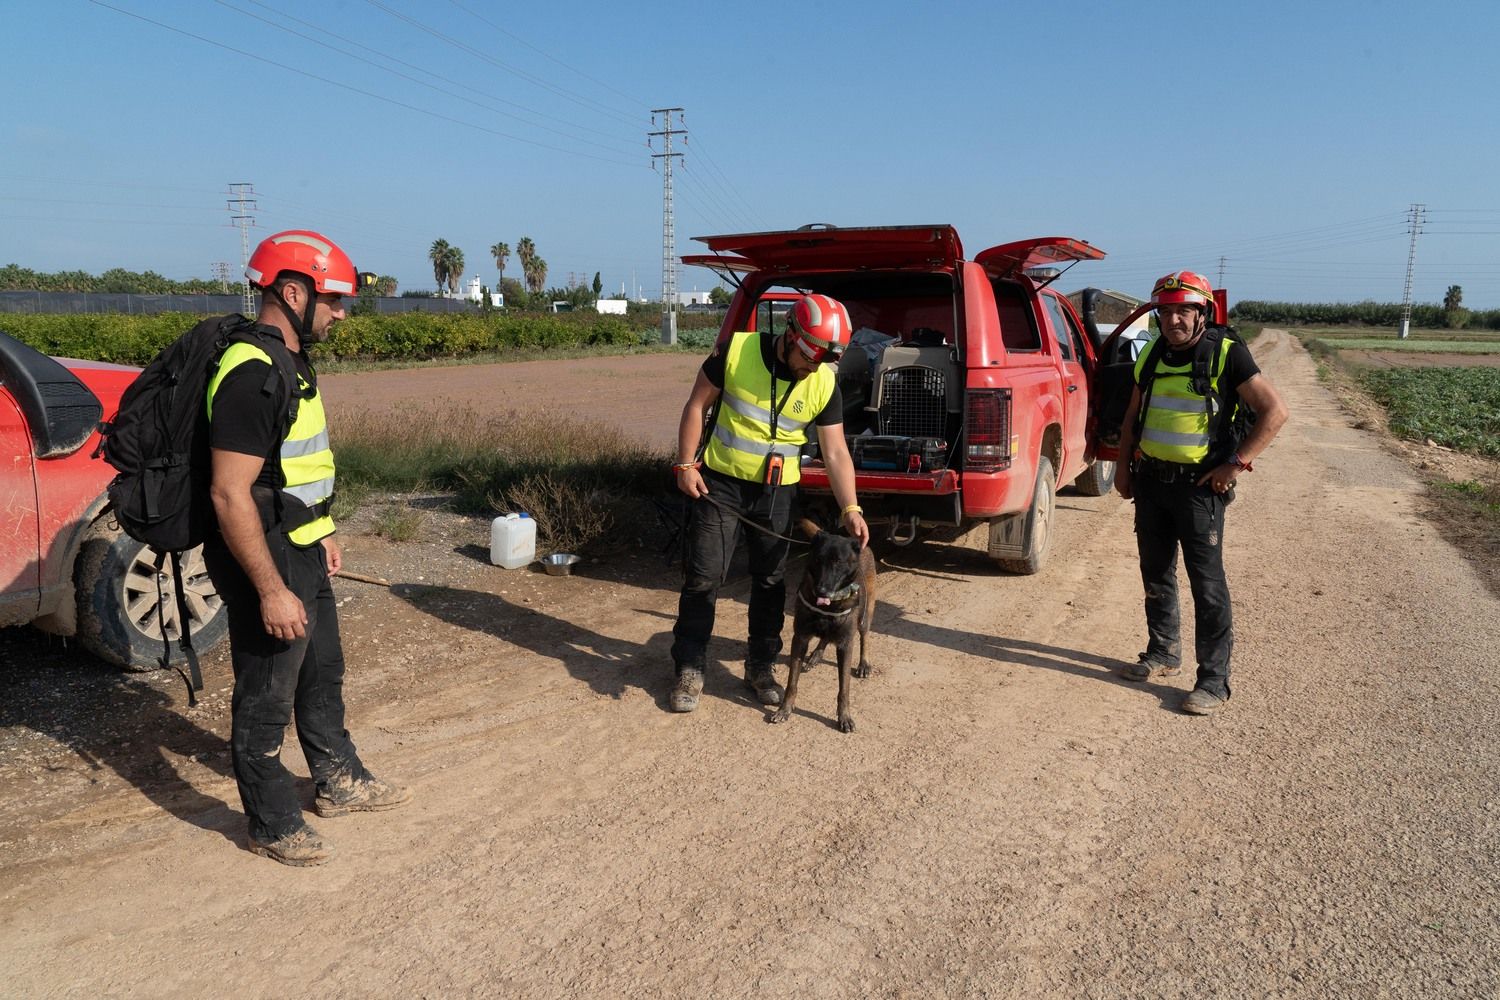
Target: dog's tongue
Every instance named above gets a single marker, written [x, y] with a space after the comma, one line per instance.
[823, 600]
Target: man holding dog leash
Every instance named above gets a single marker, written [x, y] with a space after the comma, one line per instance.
[765, 391]
[1181, 450]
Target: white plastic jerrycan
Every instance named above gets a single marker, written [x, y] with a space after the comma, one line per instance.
[512, 540]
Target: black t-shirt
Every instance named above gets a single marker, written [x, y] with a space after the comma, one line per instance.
[249, 416]
[713, 367]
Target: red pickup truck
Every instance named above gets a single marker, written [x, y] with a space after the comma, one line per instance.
[966, 390]
[64, 566]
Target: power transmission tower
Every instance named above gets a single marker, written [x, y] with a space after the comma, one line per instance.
[668, 226]
[241, 204]
[1415, 216]
[220, 271]
[1222, 262]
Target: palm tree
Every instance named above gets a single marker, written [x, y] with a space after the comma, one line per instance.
[525, 253]
[439, 257]
[501, 253]
[1454, 299]
[455, 269]
[536, 276]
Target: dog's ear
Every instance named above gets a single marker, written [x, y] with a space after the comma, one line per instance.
[809, 528]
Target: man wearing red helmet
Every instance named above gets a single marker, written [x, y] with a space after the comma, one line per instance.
[764, 392]
[274, 553]
[1186, 448]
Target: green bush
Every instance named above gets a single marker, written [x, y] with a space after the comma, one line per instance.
[412, 336]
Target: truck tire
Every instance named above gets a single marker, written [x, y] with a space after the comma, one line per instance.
[1037, 527]
[1097, 480]
[115, 578]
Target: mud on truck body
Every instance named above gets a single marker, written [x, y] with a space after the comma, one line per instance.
[65, 565]
[967, 386]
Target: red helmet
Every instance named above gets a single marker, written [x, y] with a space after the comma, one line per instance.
[307, 253]
[1186, 288]
[820, 327]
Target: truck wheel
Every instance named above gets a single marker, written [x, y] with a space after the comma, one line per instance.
[1097, 480]
[117, 602]
[1036, 537]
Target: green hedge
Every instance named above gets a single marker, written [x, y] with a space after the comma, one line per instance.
[415, 336]
[1386, 314]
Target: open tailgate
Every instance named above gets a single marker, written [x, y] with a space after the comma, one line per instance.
[818, 248]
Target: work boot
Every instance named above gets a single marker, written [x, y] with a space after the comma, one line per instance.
[1147, 667]
[1201, 702]
[300, 849]
[342, 795]
[684, 696]
[762, 678]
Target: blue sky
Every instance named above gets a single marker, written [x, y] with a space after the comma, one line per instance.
[1289, 139]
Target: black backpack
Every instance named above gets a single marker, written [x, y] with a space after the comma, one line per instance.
[158, 442]
[1225, 435]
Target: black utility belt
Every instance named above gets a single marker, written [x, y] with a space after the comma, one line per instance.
[1169, 472]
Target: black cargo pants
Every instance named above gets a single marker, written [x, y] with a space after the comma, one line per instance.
[1171, 511]
[277, 681]
[712, 534]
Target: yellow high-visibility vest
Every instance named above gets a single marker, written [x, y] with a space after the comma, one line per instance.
[741, 438]
[1176, 426]
[306, 458]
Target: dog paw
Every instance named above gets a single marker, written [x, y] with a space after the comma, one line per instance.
[846, 723]
[862, 671]
[780, 715]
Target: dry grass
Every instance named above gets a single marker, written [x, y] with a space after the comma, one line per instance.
[576, 478]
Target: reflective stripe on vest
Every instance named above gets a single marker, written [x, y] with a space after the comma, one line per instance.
[305, 456]
[1176, 426]
[741, 437]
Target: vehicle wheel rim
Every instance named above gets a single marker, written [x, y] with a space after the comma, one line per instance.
[1042, 530]
[141, 601]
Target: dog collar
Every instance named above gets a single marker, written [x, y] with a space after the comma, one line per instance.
[830, 614]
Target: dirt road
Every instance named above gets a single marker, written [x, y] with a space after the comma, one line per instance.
[1009, 820]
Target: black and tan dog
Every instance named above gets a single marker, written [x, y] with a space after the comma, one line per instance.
[837, 597]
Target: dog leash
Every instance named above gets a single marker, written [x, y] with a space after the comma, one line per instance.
[758, 527]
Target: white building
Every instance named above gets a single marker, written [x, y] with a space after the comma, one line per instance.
[476, 292]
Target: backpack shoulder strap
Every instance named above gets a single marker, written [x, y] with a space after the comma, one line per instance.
[1153, 358]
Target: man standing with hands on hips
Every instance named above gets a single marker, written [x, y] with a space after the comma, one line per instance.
[769, 389]
[1181, 450]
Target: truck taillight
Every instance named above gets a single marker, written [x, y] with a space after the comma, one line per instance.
[987, 430]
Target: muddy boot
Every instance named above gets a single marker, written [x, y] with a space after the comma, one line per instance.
[300, 849]
[684, 696]
[1201, 702]
[761, 677]
[342, 795]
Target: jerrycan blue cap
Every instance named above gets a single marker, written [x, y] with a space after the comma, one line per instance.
[523, 514]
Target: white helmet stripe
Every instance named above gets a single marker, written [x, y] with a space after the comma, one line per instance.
[317, 244]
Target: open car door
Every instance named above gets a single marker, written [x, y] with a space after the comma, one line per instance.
[1010, 259]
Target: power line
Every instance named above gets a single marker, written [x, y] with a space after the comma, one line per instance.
[356, 90]
[486, 57]
[625, 144]
[634, 102]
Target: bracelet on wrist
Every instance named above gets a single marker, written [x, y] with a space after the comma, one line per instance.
[853, 508]
[684, 466]
[1240, 463]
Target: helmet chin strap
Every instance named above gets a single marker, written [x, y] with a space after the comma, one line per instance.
[303, 323]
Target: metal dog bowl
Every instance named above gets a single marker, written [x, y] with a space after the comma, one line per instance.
[559, 563]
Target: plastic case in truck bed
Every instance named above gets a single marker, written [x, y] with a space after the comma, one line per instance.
[898, 454]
